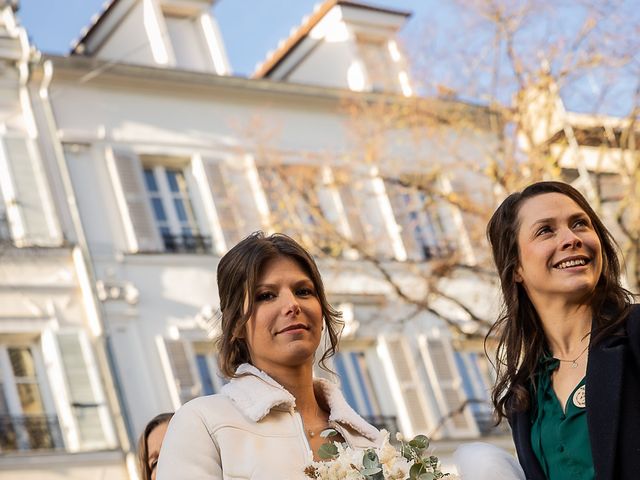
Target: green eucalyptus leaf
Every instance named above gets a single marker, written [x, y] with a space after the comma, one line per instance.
[420, 441]
[370, 471]
[416, 470]
[328, 451]
[329, 432]
[370, 459]
[427, 476]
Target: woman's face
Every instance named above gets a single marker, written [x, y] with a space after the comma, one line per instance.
[560, 252]
[286, 325]
[154, 442]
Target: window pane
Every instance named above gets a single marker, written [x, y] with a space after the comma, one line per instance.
[181, 212]
[344, 381]
[158, 210]
[361, 370]
[205, 375]
[22, 362]
[30, 400]
[150, 180]
[172, 178]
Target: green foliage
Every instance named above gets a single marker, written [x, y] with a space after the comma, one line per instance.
[328, 451]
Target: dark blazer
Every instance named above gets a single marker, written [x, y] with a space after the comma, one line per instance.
[613, 409]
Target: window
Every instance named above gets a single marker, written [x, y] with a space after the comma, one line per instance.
[194, 369]
[476, 388]
[27, 421]
[440, 371]
[419, 216]
[316, 205]
[187, 41]
[376, 57]
[4, 222]
[173, 211]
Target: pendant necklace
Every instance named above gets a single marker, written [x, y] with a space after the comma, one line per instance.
[573, 362]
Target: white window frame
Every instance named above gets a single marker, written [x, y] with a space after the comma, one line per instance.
[10, 389]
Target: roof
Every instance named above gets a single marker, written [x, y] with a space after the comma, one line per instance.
[308, 22]
[108, 7]
[96, 20]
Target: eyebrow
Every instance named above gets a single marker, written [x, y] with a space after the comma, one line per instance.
[552, 219]
[273, 285]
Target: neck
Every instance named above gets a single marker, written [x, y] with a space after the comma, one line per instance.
[566, 327]
[298, 381]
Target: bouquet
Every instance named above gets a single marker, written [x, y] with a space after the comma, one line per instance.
[409, 461]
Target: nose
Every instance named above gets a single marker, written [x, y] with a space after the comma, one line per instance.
[570, 240]
[290, 306]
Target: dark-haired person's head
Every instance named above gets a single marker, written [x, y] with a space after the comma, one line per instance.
[149, 445]
[549, 246]
[258, 280]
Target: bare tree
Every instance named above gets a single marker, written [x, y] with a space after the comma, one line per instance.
[491, 119]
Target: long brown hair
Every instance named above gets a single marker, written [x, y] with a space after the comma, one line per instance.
[143, 446]
[521, 341]
[238, 273]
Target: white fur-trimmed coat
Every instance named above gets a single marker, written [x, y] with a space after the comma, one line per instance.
[252, 431]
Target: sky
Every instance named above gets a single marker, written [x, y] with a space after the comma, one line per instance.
[436, 30]
[250, 28]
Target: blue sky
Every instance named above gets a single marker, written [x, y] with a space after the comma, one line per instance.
[250, 27]
[434, 37]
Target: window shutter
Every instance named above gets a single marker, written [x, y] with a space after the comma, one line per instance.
[30, 211]
[401, 206]
[182, 370]
[351, 206]
[86, 398]
[139, 225]
[447, 385]
[411, 397]
[224, 202]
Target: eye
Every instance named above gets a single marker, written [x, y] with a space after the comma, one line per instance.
[153, 465]
[581, 222]
[305, 292]
[543, 230]
[264, 296]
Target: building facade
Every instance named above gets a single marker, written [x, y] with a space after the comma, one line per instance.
[130, 166]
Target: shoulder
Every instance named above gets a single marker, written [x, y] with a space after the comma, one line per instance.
[210, 412]
[633, 321]
[633, 329]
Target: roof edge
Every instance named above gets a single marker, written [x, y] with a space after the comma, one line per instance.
[303, 30]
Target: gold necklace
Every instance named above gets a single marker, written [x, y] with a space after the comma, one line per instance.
[573, 362]
[312, 431]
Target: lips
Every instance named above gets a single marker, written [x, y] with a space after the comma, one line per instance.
[296, 326]
[574, 261]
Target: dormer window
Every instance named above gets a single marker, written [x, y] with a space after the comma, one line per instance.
[187, 40]
[381, 70]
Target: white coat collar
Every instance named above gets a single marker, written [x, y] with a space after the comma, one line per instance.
[255, 393]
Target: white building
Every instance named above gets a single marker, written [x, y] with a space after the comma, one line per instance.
[129, 167]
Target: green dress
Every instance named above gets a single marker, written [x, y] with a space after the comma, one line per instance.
[560, 439]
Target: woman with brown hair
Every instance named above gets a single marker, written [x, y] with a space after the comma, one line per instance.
[266, 422]
[149, 445]
[568, 356]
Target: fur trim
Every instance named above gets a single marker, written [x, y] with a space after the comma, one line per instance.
[255, 393]
[341, 412]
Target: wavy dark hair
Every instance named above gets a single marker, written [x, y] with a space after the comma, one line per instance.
[238, 273]
[521, 341]
[143, 446]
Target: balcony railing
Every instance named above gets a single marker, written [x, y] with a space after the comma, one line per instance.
[186, 243]
[30, 432]
[440, 250]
